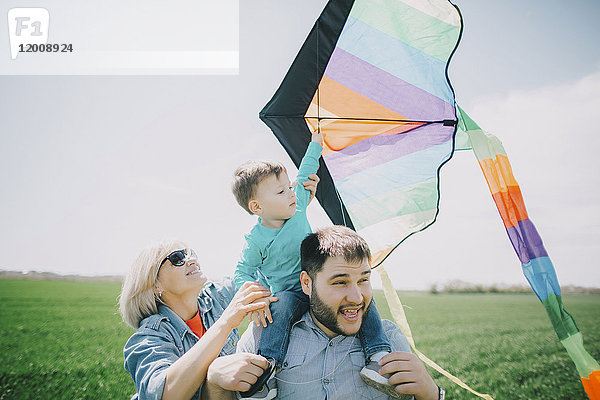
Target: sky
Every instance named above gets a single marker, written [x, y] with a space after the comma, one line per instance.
[94, 168]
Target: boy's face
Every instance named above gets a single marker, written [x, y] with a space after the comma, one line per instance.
[275, 198]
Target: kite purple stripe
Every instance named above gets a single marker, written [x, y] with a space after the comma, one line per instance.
[386, 89]
[360, 156]
[526, 241]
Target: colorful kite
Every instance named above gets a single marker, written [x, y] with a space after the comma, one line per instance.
[372, 77]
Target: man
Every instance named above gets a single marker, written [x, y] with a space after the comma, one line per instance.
[325, 355]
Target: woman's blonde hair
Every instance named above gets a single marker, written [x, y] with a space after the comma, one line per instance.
[138, 294]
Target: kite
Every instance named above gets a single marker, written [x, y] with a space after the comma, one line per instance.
[372, 77]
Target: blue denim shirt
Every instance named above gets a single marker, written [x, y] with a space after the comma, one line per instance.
[164, 337]
[317, 367]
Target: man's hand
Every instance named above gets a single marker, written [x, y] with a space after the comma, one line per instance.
[236, 372]
[409, 374]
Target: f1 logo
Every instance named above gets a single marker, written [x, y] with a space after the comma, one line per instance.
[27, 26]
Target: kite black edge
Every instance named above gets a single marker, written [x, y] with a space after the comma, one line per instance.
[284, 113]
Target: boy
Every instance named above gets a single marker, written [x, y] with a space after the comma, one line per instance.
[272, 256]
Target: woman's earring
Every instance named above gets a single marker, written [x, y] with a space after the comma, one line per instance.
[158, 296]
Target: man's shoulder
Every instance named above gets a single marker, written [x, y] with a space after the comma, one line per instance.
[389, 326]
[397, 339]
[248, 342]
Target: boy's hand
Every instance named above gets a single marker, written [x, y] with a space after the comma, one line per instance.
[311, 185]
[263, 315]
[317, 137]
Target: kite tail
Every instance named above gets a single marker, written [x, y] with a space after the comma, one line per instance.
[526, 241]
[400, 318]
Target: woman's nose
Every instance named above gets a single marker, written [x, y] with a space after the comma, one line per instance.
[190, 260]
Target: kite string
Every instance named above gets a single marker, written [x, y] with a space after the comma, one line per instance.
[318, 85]
[397, 311]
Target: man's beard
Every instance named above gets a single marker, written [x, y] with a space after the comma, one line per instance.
[328, 317]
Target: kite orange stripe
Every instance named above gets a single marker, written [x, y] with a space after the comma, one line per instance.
[511, 206]
[340, 134]
[338, 100]
[505, 189]
[378, 257]
[347, 103]
[592, 385]
[498, 173]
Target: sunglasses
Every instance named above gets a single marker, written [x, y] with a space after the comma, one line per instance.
[178, 258]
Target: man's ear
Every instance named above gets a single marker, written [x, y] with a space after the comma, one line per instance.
[306, 283]
[254, 207]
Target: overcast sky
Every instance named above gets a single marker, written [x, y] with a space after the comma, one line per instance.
[93, 168]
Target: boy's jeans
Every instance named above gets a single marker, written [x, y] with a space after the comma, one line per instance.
[275, 338]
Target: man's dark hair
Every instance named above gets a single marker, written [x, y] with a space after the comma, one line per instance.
[331, 242]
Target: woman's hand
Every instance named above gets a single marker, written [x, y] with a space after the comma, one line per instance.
[244, 302]
[263, 315]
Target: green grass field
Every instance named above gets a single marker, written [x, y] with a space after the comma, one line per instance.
[63, 340]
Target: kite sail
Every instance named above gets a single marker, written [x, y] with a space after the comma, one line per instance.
[372, 77]
[380, 116]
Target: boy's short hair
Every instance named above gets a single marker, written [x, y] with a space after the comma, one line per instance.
[247, 177]
[331, 242]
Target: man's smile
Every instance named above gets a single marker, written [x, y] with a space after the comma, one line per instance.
[351, 313]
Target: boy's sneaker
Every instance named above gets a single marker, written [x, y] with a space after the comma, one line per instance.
[265, 387]
[372, 378]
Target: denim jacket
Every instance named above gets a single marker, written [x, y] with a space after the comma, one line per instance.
[164, 337]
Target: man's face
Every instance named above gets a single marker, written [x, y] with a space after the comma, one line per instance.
[340, 295]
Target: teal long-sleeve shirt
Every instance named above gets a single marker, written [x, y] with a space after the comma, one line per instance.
[273, 255]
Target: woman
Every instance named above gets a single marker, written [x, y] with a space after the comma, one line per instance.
[182, 324]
